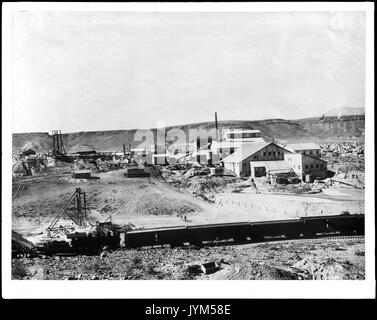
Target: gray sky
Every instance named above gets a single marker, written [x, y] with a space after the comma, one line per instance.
[112, 70]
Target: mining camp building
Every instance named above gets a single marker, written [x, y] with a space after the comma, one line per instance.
[271, 160]
[307, 167]
[308, 148]
[255, 159]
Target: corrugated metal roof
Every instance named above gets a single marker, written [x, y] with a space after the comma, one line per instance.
[303, 146]
[244, 151]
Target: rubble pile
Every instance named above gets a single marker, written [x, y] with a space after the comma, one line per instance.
[20, 244]
[293, 188]
[299, 260]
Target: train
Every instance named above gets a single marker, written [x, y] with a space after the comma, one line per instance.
[112, 236]
[248, 232]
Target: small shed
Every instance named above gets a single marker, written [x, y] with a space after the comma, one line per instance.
[82, 174]
[136, 173]
[210, 267]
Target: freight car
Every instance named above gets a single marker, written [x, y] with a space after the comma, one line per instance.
[303, 228]
[114, 236]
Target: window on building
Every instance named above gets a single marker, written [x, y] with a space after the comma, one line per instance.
[322, 165]
[250, 135]
[246, 135]
[311, 166]
[274, 153]
[265, 153]
[279, 153]
[255, 158]
[269, 153]
[310, 152]
[231, 150]
[306, 166]
[317, 165]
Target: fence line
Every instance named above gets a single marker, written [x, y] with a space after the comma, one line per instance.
[303, 209]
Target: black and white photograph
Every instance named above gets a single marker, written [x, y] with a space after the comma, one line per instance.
[188, 142]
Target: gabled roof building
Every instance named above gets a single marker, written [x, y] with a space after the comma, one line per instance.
[270, 159]
[254, 159]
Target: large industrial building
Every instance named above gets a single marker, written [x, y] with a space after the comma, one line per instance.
[272, 160]
[254, 159]
[233, 139]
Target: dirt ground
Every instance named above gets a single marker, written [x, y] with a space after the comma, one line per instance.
[289, 260]
[150, 202]
[128, 200]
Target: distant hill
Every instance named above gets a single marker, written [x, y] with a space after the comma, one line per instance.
[345, 111]
[310, 129]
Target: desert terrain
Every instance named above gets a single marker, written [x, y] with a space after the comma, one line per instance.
[171, 197]
[156, 202]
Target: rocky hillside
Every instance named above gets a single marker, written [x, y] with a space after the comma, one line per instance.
[334, 128]
[345, 111]
[310, 129]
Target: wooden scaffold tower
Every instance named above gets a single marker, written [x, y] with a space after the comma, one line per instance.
[78, 214]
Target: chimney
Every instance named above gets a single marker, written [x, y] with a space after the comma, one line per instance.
[216, 126]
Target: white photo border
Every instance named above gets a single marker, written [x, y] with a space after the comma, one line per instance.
[12, 289]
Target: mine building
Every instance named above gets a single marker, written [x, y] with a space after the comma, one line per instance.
[233, 139]
[310, 149]
[307, 167]
[255, 159]
[239, 135]
[271, 160]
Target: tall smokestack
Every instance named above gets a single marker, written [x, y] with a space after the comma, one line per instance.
[217, 133]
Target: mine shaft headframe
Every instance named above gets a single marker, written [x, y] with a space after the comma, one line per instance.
[78, 215]
[57, 143]
[80, 206]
